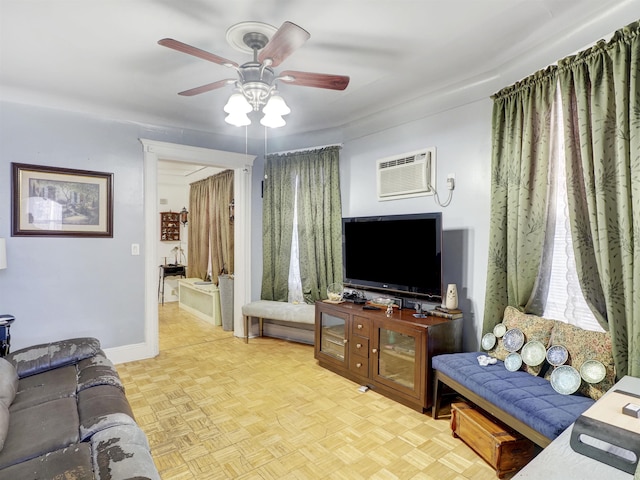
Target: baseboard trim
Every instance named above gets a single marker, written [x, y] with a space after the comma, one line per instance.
[130, 353]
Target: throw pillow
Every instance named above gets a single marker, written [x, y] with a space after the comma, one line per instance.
[584, 345]
[533, 327]
[8, 382]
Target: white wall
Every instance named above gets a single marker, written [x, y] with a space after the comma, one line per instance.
[69, 287]
[172, 197]
[462, 139]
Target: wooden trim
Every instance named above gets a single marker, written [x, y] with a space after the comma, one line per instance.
[485, 405]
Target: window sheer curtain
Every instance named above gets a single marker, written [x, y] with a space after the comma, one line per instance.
[309, 183]
[522, 204]
[210, 229]
[601, 107]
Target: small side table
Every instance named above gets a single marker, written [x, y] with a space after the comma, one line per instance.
[169, 271]
[5, 337]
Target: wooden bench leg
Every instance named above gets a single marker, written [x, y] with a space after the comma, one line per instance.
[437, 396]
[261, 326]
[246, 329]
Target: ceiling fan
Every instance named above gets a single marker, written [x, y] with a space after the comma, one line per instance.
[256, 82]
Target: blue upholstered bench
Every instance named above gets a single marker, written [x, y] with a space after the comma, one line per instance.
[526, 403]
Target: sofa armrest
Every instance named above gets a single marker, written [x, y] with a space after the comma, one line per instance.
[46, 356]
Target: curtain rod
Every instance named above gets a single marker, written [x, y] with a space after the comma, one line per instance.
[304, 149]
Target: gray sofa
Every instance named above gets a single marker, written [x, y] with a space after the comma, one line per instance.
[64, 414]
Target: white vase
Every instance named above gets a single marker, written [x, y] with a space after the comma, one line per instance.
[451, 300]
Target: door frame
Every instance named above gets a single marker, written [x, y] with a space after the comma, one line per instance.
[242, 165]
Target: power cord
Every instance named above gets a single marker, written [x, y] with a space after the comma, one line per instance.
[451, 185]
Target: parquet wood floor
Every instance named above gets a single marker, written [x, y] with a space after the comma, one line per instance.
[214, 407]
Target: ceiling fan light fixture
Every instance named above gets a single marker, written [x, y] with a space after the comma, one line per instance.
[276, 106]
[238, 119]
[237, 105]
[273, 121]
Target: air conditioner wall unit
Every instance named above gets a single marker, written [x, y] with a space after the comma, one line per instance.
[408, 175]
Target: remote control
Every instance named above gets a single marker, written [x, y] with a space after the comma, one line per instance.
[370, 307]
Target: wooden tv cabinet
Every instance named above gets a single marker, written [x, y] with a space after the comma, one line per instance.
[388, 354]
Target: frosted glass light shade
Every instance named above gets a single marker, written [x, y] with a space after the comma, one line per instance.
[237, 104]
[238, 119]
[273, 121]
[3, 253]
[276, 106]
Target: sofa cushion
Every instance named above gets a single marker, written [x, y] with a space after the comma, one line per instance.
[584, 345]
[97, 370]
[122, 452]
[533, 327]
[8, 382]
[46, 386]
[101, 407]
[40, 429]
[4, 423]
[528, 398]
[73, 462]
[46, 356]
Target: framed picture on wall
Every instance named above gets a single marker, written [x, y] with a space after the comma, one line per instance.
[53, 202]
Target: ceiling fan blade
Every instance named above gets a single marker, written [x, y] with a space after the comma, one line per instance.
[206, 88]
[283, 43]
[196, 52]
[317, 80]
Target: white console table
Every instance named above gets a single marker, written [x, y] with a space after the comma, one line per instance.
[559, 461]
[201, 300]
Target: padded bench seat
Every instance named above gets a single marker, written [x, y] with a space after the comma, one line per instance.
[272, 310]
[527, 403]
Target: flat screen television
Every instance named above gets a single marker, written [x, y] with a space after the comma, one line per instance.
[400, 254]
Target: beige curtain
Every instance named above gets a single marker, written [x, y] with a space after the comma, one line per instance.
[221, 226]
[198, 228]
[210, 227]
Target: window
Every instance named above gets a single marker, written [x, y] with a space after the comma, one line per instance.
[565, 300]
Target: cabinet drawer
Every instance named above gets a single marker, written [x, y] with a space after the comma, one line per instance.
[359, 365]
[359, 346]
[361, 326]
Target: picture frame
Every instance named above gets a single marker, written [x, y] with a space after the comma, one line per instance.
[61, 202]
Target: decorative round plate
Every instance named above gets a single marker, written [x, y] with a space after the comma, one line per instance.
[499, 330]
[593, 371]
[513, 340]
[565, 379]
[513, 362]
[557, 355]
[488, 341]
[533, 353]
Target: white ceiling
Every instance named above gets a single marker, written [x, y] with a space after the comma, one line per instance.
[102, 56]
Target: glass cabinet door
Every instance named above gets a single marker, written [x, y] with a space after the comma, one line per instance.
[398, 352]
[333, 336]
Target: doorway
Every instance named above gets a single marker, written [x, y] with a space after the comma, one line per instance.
[241, 164]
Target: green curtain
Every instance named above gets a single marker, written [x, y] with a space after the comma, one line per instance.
[320, 223]
[316, 174]
[520, 195]
[600, 92]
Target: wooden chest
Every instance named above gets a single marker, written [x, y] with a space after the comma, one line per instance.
[505, 450]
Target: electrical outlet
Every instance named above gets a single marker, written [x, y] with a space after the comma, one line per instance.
[451, 181]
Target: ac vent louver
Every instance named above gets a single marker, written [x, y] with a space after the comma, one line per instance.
[406, 175]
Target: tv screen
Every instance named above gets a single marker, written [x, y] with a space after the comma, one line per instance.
[395, 253]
